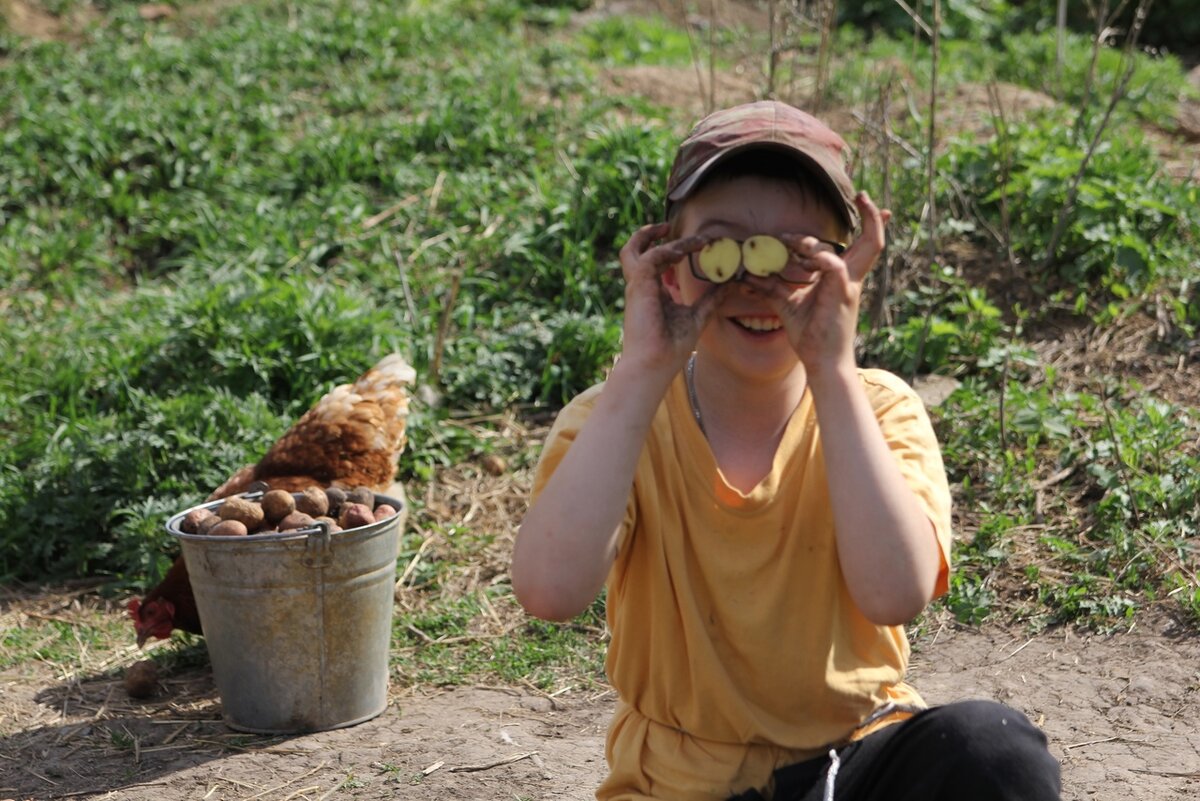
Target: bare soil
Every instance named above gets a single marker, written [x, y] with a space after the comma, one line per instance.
[1119, 710]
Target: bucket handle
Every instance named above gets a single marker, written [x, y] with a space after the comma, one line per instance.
[316, 550]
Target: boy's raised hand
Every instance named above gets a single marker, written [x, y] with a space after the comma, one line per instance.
[821, 318]
[660, 334]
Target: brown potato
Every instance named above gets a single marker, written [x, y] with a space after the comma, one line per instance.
[356, 514]
[336, 496]
[246, 512]
[141, 679]
[296, 520]
[206, 524]
[493, 464]
[329, 521]
[190, 524]
[229, 528]
[383, 511]
[278, 504]
[313, 502]
[362, 495]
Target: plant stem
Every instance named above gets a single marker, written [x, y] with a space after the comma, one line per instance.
[1118, 94]
[1122, 469]
[931, 154]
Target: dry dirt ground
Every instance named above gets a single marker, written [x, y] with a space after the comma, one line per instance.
[1120, 712]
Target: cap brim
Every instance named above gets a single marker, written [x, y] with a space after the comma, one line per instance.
[848, 211]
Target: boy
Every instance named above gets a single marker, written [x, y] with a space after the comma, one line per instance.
[766, 515]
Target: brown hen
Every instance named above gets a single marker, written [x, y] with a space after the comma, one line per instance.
[352, 437]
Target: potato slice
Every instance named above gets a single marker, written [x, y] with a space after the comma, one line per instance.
[719, 260]
[764, 255]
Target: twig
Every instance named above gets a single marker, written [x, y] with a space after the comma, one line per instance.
[1057, 478]
[537, 760]
[1118, 94]
[176, 733]
[687, 26]
[435, 194]
[426, 244]
[1002, 406]
[33, 772]
[137, 744]
[419, 633]
[232, 747]
[402, 266]
[1019, 649]
[968, 204]
[916, 18]
[712, 54]
[1000, 126]
[490, 765]
[1114, 738]
[376, 219]
[930, 158]
[877, 312]
[828, 11]
[1104, 30]
[541, 692]
[1060, 30]
[772, 49]
[439, 344]
[285, 784]
[1122, 468]
[412, 565]
[337, 787]
[1090, 742]
[78, 793]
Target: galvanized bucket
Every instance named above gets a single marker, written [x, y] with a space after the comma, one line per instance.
[297, 624]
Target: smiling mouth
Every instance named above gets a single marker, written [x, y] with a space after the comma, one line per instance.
[760, 324]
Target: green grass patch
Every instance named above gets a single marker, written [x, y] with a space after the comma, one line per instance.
[206, 224]
[1119, 530]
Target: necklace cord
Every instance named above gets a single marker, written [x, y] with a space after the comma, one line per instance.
[690, 376]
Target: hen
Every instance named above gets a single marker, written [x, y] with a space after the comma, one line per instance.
[352, 437]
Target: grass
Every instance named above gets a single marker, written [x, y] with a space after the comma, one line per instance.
[207, 221]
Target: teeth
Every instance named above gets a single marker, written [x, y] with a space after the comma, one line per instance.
[760, 323]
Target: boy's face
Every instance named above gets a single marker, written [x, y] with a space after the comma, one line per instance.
[743, 325]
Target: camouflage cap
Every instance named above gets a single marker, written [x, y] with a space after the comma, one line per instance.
[766, 124]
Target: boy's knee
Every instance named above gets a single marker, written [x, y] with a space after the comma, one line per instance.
[991, 744]
[982, 729]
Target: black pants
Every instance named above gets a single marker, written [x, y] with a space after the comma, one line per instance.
[966, 751]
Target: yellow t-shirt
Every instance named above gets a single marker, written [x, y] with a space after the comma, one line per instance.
[736, 647]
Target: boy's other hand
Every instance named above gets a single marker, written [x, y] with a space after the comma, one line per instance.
[660, 333]
[821, 318]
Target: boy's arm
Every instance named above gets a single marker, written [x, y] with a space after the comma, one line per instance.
[887, 546]
[568, 539]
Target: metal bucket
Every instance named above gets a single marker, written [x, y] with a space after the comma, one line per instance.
[297, 624]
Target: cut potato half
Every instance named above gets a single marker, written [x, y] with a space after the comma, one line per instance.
[764, 255]
[719, 260]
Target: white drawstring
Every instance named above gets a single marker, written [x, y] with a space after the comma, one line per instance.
[831, 776]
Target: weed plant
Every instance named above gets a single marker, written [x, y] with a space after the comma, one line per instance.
[1129, 234]
[206, 224]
